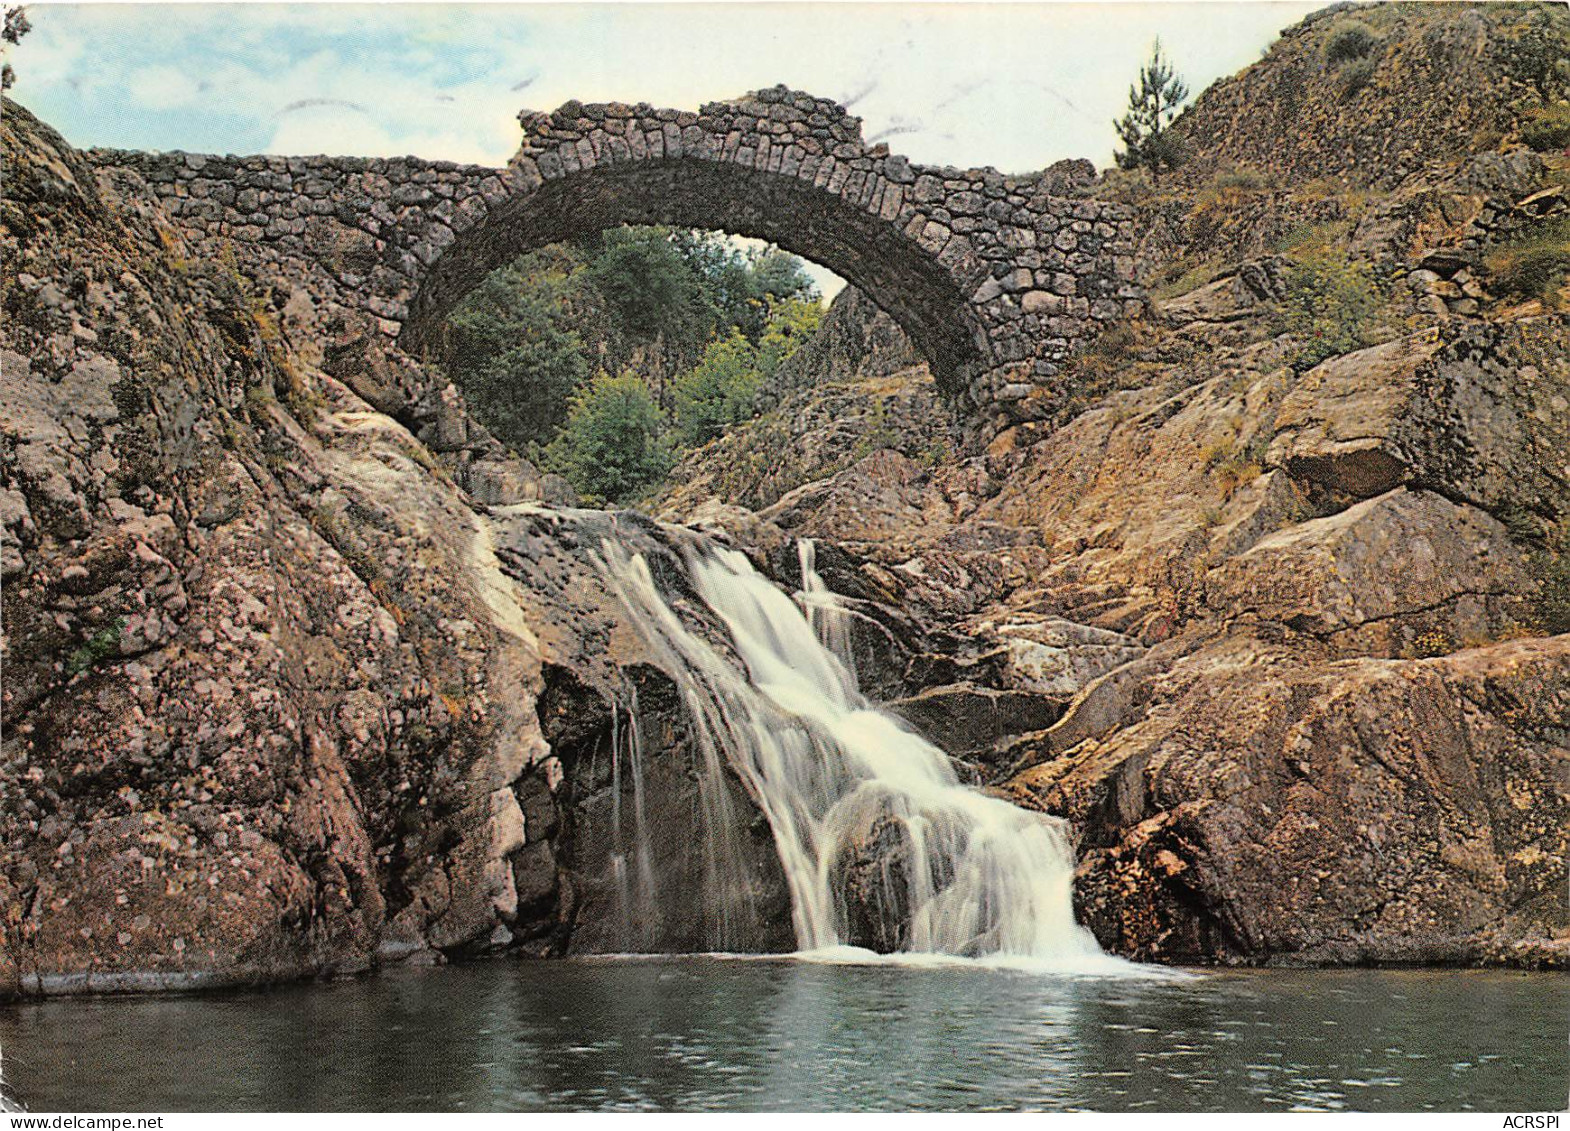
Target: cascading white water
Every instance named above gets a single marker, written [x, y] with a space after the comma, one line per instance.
[964, 873]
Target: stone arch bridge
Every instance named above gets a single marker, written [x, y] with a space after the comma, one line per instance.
[995, 279]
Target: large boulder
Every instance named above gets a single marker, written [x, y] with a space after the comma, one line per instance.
[1378, 576]
[1480, 414]
[1271, 807]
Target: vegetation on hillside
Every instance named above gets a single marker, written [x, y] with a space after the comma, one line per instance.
[1534, 264]
[1539, 57]
[1348, 42]
[1539, 63]
[601, 359]
[1328, 304]
[515, 348]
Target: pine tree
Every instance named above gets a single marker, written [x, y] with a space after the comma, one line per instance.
[1151, 107]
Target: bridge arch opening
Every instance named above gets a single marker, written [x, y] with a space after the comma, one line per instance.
[899, 274]
[703, 322]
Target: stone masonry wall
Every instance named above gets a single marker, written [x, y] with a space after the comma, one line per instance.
[994, 278]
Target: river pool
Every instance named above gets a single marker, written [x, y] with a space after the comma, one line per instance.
[784, 1034]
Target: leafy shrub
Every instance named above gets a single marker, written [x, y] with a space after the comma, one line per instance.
[1328, 303]
[718, 391]
[530, 334]
[613, 445]
[791, 322]
[1349, 42]
[1547, 129]
[650, 287]
[936, 454]
[1354, 77]
[1233, 473]
[510, 350]
[687, 287]
[16, 26]
[104, 643]
[1166, 150]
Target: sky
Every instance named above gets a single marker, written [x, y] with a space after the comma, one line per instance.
[1015, 86]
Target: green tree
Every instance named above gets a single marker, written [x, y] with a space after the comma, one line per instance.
[651, 290]
[718, 391]
[510, 352]
[525, 340]
[16, 26]
[791, 322]
[614, 445]
[741, 286]
[1152, 105]
[719, 266]
[779, 274]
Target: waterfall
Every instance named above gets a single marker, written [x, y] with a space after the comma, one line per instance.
[880, 843]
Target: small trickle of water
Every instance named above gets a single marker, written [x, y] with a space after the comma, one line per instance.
[869, 820]
[827, 615]
[637, 893]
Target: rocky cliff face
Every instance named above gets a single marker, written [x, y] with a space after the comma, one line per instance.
[1369, 92]
[1264, 801]
[280, 697]
[1383, 131]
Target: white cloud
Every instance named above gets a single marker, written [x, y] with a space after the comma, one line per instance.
[339, 130]
[163, 87]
